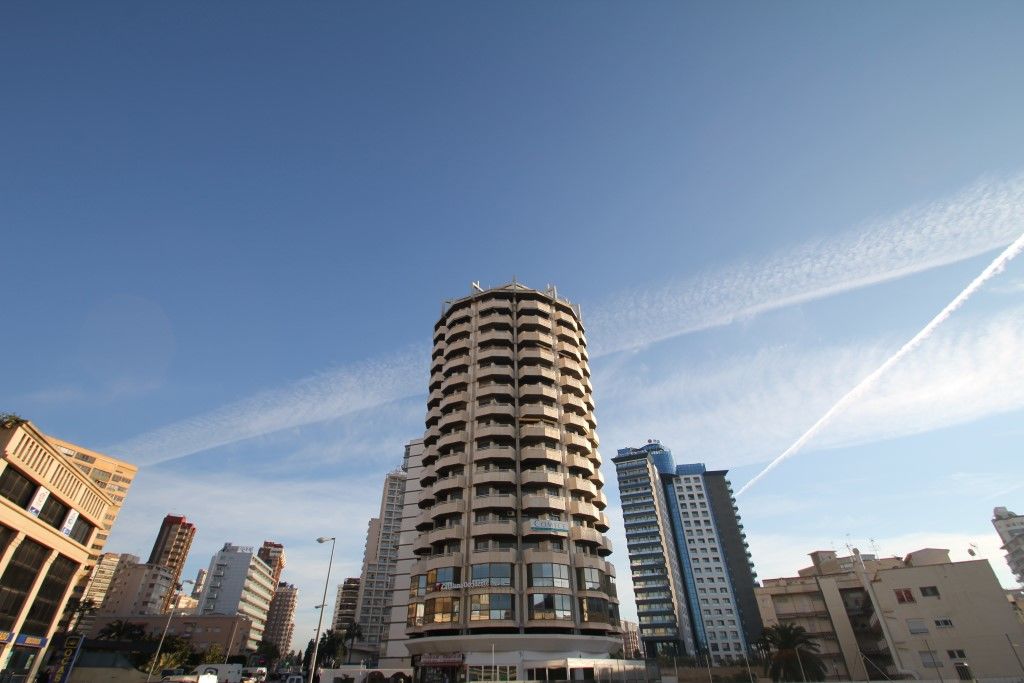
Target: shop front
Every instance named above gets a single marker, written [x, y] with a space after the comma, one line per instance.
[439, 668]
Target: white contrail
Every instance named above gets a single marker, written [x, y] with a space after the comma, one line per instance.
[992, 270]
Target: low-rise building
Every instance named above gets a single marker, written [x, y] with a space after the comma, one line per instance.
[922, 616]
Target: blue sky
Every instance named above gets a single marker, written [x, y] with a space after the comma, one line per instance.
[228, 230]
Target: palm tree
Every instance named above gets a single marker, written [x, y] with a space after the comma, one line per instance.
[122, 630]
[353, 632]
[793, 654]
[331, 648]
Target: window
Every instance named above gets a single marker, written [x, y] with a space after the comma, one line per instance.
[929, 592]
[496, 574]
[415, 614]
[491, 606]
[549, 606]
[588, 579]
[597, 609]
[904, 595]
[546, 574]
[16, 487]
[40, 616]
[929, 660]
[53, 512]
[18, 578]
[956, 654]
[82, 530]
[917, 626]
[943, 623]
[441, 610]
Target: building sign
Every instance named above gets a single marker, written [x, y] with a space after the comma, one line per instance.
[68, 657]
[452, 586]
[6, 637]
[549, 525]
[38, 500]
[69, 522]
[30, 641]
[441, 659]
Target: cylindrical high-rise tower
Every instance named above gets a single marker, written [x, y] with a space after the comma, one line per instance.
[510, 546]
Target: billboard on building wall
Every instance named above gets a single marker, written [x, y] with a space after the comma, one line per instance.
[69, 522]
[38, 500]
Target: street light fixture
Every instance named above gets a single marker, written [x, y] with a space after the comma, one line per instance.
[160, 646]
[327, 581]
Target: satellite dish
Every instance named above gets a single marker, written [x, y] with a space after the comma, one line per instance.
[970, 551]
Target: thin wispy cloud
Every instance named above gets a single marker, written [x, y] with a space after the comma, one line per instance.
[986, 216]
[739, 410]
[867, 383]
[325, 396]
[979, 219]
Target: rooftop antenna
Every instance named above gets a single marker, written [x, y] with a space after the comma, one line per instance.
[874, 547]
[476, 286]
[972, 549]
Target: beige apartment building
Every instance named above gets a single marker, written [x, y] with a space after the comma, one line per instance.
[229, 631]
[509, 567]
[171, 548]
[54, 521]
[922, 616]
[281, 617]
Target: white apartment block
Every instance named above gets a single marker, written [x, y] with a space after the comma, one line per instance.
[379, 559]
[239, 582]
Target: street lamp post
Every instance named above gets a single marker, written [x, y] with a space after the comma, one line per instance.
[323, 603]
[167, 625]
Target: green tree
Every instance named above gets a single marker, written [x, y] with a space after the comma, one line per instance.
[793, 655]
[269, 653]
[331, 648]
[212, 655]
[352, 633]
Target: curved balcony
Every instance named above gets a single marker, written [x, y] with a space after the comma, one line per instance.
[495, 315]
[533, 321]
[591, 561]
[584, 509]
[572, 404]
[459, 328]
[576, 421]
[427, 499]
[481, 431]
[434, 398]
[496, 389]
[504, 555]
[429, 455]
[533, 353]
[502, 528]
[540, 453]
[581, 442]
[538, 410]
[446, 509]
[540, 431]
[431, 436]
[599, 501]
[451, 533]
[421, 546]
[527, 372]
[533, 501]
[567, 351]
[483, 337]
[496, 409]
[578, 462]
[494, 476]
[534, 305]
[457, 481]
[499, 502]
[450, 460]
[455, 379]
[577, 484]
[586, 534]
[451, 438]
[433, 415]
[538, 391]
[542, 477]
[594, 440]
[573, 386]
[428, 475]
[425, 564]
[454, 398]
[453, 417]
[571, 367]
[502, 374]
[455, 365]
[494, 452]
[531, 556]
[424, 521]
[601, 524]
[494, 352]
[597, 479]
[537, 337]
